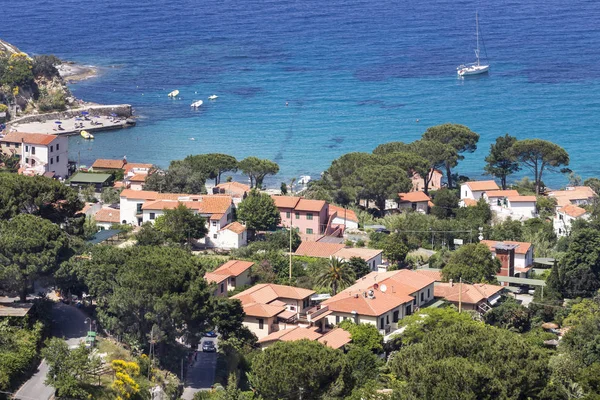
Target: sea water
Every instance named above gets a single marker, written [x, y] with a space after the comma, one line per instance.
[303, 82]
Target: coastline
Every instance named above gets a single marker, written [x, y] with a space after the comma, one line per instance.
[72, 72]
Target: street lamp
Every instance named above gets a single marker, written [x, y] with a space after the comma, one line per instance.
[90, 322]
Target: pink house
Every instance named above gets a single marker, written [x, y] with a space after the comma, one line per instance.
[310, 217]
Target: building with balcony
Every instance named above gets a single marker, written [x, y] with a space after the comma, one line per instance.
[39, 154]
[565, 216]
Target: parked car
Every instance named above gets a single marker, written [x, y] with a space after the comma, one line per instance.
[209, 347]
[210, 334]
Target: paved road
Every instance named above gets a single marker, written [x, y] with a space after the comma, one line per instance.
[67, 322]
[201, 375]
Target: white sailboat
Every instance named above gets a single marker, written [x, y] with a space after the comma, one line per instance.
[477, 67]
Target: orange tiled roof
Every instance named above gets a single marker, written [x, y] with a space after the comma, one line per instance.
[350, 215]
[336, 338]
[522, 247]
[572, 210]
[138, 178]
[522, 199]
[310, 205]
[262, 310]
[413, 197]
[265, 293]
[211, 277]
[149, 195]
[437, 275]
[471, 294]
[482, 185]
[318, 249]
[109, 164]
[502, 193]
[232, 268]
[285, 201]
[564, 197]
[469, 202]
[29, 138]
[235, 189]
[108, 215]
[235, 227]
[129, 166]
[214, 205]
[361, 252]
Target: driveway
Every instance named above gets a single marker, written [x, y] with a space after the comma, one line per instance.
[68, 322]
[201, 374]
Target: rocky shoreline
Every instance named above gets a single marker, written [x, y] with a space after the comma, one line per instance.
[72, 72]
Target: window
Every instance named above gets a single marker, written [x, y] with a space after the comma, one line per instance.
[381, 323]
[297, 215]
[152, 215]
[422, 297]
[51, 160]
[309, 231]
[222, 287]
[139, 208]
[396, 316]
[428, 293]
[214, 223]
[32, 150]
[465, 193]
[32, 162]
[26, 160]
[337, 319]
[17, 145]
[27, 148]
[215, 236]
[261, 323]
[57, 146]
[415, 301]
[232, 281]
[288, 214]
[309, 216]
[560, 216]
[57, 158]
[387, 319]
[51, 149]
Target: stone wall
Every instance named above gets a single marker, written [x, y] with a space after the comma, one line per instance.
[122, 110]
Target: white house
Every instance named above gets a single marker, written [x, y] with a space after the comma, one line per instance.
[39, 153]
[475, 190]
[343, 216]
[381, 299]
[522, 207]
[106, 217]
[576, 195]
[564, 217]
[523, 255]
[229, 276]
[416, 201]
[499, 198]
[135, 175]
[232, 236]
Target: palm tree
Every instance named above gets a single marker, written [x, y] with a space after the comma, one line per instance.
[337, 275]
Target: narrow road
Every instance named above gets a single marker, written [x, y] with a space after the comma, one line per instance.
[68, 322]
[201, 374]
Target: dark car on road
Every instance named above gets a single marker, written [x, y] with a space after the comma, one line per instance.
[209, 347]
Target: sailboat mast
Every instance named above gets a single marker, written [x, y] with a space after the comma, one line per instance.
[477, 33]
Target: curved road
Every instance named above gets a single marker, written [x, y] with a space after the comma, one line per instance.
[68, 322]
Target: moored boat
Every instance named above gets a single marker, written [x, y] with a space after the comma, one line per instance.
[477, 67]
[174, 93]
[197, 104]
[87, 135]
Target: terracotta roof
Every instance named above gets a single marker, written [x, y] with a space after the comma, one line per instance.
[522, 199]
[235, 227]
[138, 178]
[350, 215]
[318, 249]
[211, 277]
[399, 285]
[522, 247]
[336, 338]
[119, 184]
[129, 166]
[108, 164]
[471, 294]
[437, 275]
[413, 197]
[265, 293]
[231, 268]
[310, 205]
[262, 310]
[215, 205]
[285, 201]
[361, 252]
[469, 202]
[564, 197]
[482, 185]
[235, 189]
[108, 215]
[86, 207]
[572, 210]
[291, 334]
[502, 193]
[29, 138]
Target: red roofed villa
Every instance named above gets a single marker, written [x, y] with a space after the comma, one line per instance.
[229, 276]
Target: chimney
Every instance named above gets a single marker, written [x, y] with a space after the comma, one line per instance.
[450, 282]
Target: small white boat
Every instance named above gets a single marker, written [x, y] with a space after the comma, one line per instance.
[197, 104]
[475, 68]
[174, 93]
[213, 97]
[192, 139]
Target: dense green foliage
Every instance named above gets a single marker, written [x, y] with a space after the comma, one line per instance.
[366, 336]
[212, 165]
[18, 350]
[257, 169]
[509, 315]
[500, 162]
[473, 263]
[258, 212]
[579, 269]
[337, 275]
[181, 224]
[359, 266]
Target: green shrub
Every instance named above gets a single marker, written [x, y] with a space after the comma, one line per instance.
[45, 65]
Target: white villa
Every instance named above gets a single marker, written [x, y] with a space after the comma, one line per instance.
[40, 154]
[565, 216]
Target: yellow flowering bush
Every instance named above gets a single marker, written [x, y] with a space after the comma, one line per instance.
[124, 384]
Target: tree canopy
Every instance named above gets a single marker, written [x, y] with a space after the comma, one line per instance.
[212, 165]
[500, 162]
[336, 275]
[180, 177]
[579, 269]
[257, 169]
[180, 224]
[473, 263]
[539, 155]
[258, 212]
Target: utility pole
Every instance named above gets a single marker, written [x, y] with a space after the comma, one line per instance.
[460, 295]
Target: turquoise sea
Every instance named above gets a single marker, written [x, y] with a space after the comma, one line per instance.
[354, 74]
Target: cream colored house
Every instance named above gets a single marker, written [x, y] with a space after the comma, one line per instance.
[415, 201]
[381, 299]
[475, 190]
[565, 216]
[270, 308]
[229, 276]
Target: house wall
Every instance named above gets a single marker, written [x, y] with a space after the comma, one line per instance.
[375, 261]
[104, 225]
[383, 321]
[242, 279]
[136, 185]
[252, 323]
[339, 220]
[299, 220]
[221, 288]
[129, 210]
[230, 240]
[523, 209]
[466, 193]
[524, 260]
[562, 223]
[420, 206]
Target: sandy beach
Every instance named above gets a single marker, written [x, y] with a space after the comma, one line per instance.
[72, 72]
